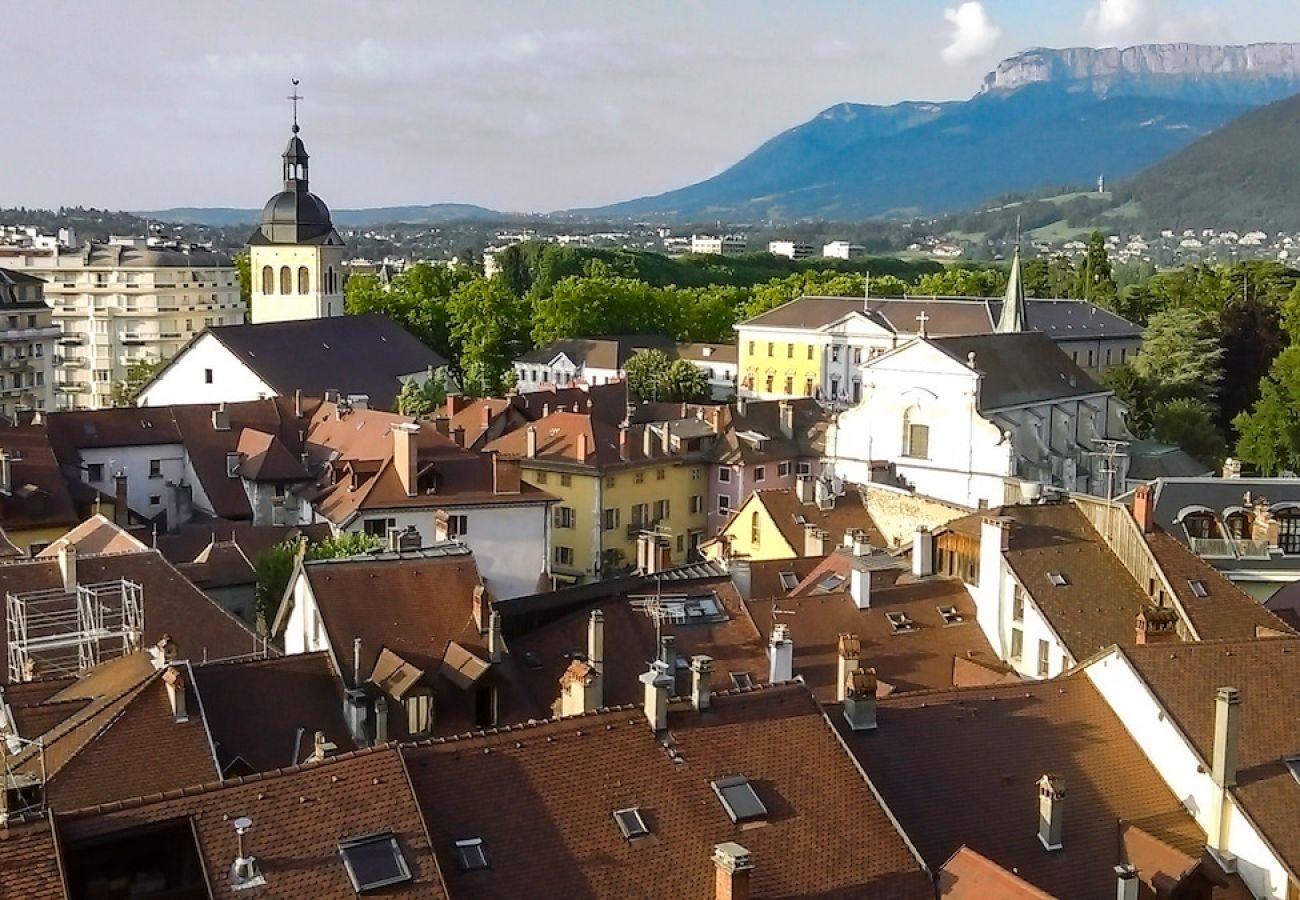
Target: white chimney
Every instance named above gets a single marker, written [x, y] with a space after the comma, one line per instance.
[701, 681]
[1126, 882]
[580, 689]
[496, 642]
[657, 683]
[406, 456]
[6, 472]
[668, 656]
[244, 872]
[381, 720]
[1051, 811]
[732, 866]
[850, 654]
[787, 418]
[596, 640]
[922, 552]
[806, 489]
[647, 442]
[68, 567]
[860, 587]
[780, 653]
[530, 442]
[825, 499]
[322, 747]
[860, 699]
[175, 683]
[1223, 771]
[221, 418]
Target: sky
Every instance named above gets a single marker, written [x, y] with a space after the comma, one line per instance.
[514, 105]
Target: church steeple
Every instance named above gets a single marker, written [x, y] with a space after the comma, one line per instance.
[295, 153]
[1012, 320]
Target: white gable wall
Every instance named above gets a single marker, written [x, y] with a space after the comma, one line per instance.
[303, 631]
[185, 380]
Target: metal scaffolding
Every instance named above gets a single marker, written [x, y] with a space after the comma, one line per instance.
[59, 633]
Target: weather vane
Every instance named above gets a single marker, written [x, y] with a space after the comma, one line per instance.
[294, 98]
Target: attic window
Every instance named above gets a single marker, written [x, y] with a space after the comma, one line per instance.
[1058, 579]
[471, 854]
[950, 615]
[789, 581]
[739, 799]
[1198, 587]
[631, 823]
[831, 582]
[899, 621]
[145, 423]
[374, 861]
[800, 520]
[741, 679]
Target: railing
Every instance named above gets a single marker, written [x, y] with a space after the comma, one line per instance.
[1229, 548]
[72, 338]
[131, 337]
[70, 362]
[29, 334]
[71, 387]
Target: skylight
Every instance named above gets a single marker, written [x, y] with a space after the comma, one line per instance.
[741, 679]
[471, 855]
[789, 580]
[374, 861]
[739, 799]
[831, 582]
[899, 621]
[1198, 587]
[1058, 578]
[950, 615]
[631, 823]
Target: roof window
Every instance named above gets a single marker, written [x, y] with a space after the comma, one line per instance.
[899, 621]
[739, 799]
[471, 855]
[831, 582]
[374, 861]
[1058, 579]
[631, 823]
[1198, 587]
[950, 615]
[1293, 766]
[789, 581]
[741, 679]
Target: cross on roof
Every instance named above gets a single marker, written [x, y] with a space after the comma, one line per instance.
[294, 98]
[923, 318]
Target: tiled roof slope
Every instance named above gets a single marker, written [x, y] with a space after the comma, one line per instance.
[299, 816]
[38, 496]
[542, 799]
[850, 511]
[30, 863]
[1019, 368]
[961, 767]
[1184, 679]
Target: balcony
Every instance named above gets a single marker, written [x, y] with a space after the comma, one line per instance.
[21, 363]
[70, 362]
[134, 337]
[71, 387]
[72, 338]
[30, 334]
[170, 335]
[1229, 548]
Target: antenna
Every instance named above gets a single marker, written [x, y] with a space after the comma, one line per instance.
[244, 872]
[294, 98]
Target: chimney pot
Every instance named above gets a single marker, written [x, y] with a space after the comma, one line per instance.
[732, 867]
[860, 699]
[657, 683]
[701, 682]
[1144, 502]
[1051, 811]
[780, 655]
[458, 435]
[322, 747]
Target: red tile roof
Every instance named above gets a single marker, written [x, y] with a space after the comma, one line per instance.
[30, 863]
[38, 496]
[848, 512]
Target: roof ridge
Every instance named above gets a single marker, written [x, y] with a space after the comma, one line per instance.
[199, 665]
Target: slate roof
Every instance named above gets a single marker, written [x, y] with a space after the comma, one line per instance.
[600, 352]
[542, 799]
[352, 354]
[1019, 369]
[960, 767]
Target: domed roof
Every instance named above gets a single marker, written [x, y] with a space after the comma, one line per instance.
[295, 217]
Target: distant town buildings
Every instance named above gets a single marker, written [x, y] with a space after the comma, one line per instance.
[725, 245]
[790, 249]
[582, 362]
[27, 345]
[842, 250]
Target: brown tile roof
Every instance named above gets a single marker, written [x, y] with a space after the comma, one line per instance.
[1184, 679]
[542, 799]
[30, 863]
[960, 767]
[97, 534]
[189, 541]
[1227, 612]
[39, 495]
[806, 439]
[850, 511]
[921, 659]
[172, 604]
[259, 710]
[969, 876]
[765, 575]
[299, 816]
[1100, 602]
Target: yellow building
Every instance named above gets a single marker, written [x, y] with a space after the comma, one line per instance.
[37, 505]
[808, 520]
[613, 484]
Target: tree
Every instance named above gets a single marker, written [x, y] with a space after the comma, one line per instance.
[1291, 315]
[647, 374]
[1250, 333]
[1048, 278]
[139, 372]
[685, 382]
[1178, 358]
[419, 398]
[1094, 280]
[275, 565]
[960, 281]
[1189, 424]
[1136, 393]
[245, 278]
[490, 326]
[416, 299]
[1269, 435]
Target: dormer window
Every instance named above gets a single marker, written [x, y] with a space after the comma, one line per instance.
[899, 621]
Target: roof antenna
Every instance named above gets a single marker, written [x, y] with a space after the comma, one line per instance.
[294, 98]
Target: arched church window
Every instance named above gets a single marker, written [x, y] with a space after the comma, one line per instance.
[304, 280]
[916, 435]
[331, 283]
[286, 280]
[268, 280]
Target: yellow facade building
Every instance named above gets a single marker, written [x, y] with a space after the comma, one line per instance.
[808, 520]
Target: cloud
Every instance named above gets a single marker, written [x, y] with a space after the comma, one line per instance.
[1139, 21]
[973, 34]
[1117, 17]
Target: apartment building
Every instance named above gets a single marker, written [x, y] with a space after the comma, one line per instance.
[724, 245]
[790, 249]
[842, 250]
[127, 300]
[27, 342]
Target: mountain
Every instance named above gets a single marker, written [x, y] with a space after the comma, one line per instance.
[1043, 117]
[436, 214]
[1241, 176]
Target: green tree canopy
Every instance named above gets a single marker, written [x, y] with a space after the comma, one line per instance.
[647, 374]
[1189, 423]
[416, 299]
[963, 281]
[138, 373]
[275, 565]
[1094, 280]
[489, 324]
[1179, 358]
[1269, 435]
[420, 398]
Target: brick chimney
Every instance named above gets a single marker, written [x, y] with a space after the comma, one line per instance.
[456, 403]
[1157, 625]
[68, 567]
[860, 699]
[1144, 507]
[121, 508]
[485, 416]
[1051, 811]
[732, 867]
[406, 456]
[780, 653]
[657, 683]
[175, 683]
[850, 653]
[622, 442]
[701, 682]
[530, 442]
[458, 435]
[506, 476]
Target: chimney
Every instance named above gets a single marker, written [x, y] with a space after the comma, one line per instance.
[175, 683]
[806, 489]
[121, 508]
[580, 689]
[996, 531]
[622, 443]
[163, 652]
[496, 643]
[1227, 734]
[1051, 811]
[456, 403]
[485, 416]
[1231, 468]
[780, 653]
[667, 439]
[715, 418]
[354, 712]
[668, 656]
[647, 441]
[860, 699]
[814, 541]
[741, 577]
[1144, 504]
[244, 872]
[860, 587]
[584, 447]
[1157, 625]
[850, 653]
[732, 865]
[701, 682]
[322, 747]
[221, 417]
[740, 405]
[479, 608]
[297, 403]
[530, 442]
[657, 682]
[787, 419]
[68, 567]
[458, 436]
[442, 425]
[1126, 882]
[822, 492]
[381, 720]
[596, 640]
[506, 475]
[922, 552]
[6, 472]
[406, 456]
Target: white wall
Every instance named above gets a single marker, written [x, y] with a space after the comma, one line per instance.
[184, 381]
[134, 461]
[303, 632]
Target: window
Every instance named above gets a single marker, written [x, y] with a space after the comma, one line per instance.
[95, 472]
[857, 356]
[566, 480]
[808, 387]
[660, 474]
[155, 500]
[609, 481]
[1198, 588]
[751, 348]
[1044, 656]
[950, 615]
[207, 376]
[759, 473]
[419, 713]
[640, 515]
[810, 352]
[286, 280]
[789, 384]
[374, 861]
[741, 679]
[724, 505]
[563, 556]
[755, 529]
[457, 526]
[695, 473]
[155, 468]
[771, 348]
[304, 280]
[662, 510]
[789, 581]
[789, 351]
[783, 470]
[1288, 534]
[631, 824]
[1058, 579]
[803, 468]
[1017, 605]
[724, 475]
[638, 478]
[471, 855]
[916, 438]
[697, 504]
[540, 477]
[378, 527]
[835, 353]
[563, 517]
[1017, 643]
[835, 386]
[739, 799]
[609, 521]
[681, 545]
[268, 280]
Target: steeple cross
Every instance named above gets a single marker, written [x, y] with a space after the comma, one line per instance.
[294, 98]
[923, 318]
